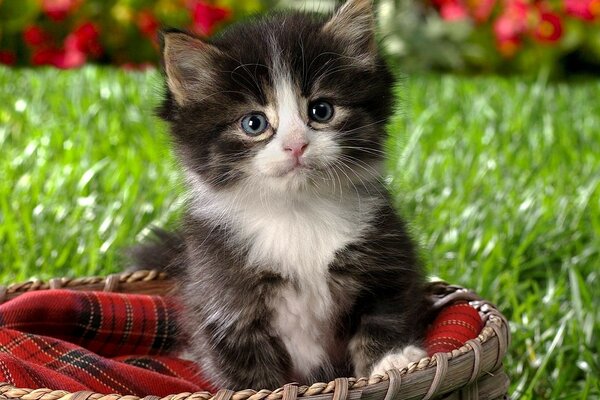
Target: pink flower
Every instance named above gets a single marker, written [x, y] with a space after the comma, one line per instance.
[69, 58]
[513, 22]
[206, 16]
[7, 57]
[511, 26]
[507, 28]
[549, 28]
[452, 10]
[35, 36]
[587, 10]
[520, 19]
[57, 10]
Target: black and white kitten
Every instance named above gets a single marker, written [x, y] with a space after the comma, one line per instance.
[293, 264]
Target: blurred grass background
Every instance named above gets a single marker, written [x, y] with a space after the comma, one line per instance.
[499, 178]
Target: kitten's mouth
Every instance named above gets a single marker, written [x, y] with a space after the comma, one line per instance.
[294, 170]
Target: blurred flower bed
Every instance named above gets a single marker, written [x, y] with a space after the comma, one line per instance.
[558, 36]
[69, 33]
[527, 36]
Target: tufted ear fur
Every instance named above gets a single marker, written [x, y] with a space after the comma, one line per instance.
[189, 65]
[354, 24]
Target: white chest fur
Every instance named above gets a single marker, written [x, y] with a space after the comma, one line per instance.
[295, 235]
[299, 241]
[296, 238]
[302, 318]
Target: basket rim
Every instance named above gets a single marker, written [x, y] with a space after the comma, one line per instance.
[484, 353]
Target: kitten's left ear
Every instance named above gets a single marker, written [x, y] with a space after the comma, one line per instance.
[189, 65]
[354, 24]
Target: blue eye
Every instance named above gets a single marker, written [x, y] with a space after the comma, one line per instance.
[254, 124]
[320, 111]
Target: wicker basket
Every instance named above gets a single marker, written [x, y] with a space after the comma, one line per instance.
[474, 371]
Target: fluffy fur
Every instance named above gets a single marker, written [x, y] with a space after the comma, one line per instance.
[293, 264]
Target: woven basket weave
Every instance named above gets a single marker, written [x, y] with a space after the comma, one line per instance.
[471, 372]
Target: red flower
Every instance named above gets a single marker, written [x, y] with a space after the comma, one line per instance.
[57, 10]
[549, 28]
[148, 24]
[60, 58]
[586, 10]
[84, 39]
[35, 36]
[44, 56]
[80, 43]
[7, 57]
[206, 16]
[454, 11]
[481, 9]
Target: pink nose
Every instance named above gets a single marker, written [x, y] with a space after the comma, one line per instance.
[296, 148]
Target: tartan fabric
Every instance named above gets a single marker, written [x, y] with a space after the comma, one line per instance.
[103, 342]
[126, 343]
[109, 324]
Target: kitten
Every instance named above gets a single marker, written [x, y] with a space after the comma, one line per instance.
[292, 263]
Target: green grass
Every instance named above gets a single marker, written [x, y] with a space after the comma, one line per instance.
[500, 179]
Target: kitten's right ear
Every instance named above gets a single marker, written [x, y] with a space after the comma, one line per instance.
[354, 24]
[188, 63]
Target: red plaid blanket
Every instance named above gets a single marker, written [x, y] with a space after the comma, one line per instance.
[123, 343]
[103, 342]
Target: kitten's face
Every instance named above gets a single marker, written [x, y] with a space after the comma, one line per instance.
[289, 102]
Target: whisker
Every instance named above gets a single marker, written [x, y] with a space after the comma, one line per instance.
[365, 150]
[352, 183]
[373, 173]
[364, 126]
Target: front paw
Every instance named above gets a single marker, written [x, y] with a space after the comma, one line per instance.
[399, 359]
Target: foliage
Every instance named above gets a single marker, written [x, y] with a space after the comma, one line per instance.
[500, 179]
[558, 36]
[68, 33]
[531, 36]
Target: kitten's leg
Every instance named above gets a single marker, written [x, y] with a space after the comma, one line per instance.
[248, 356]
[375, 349]
[388, 336]
[235, 343]
[398, 359]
